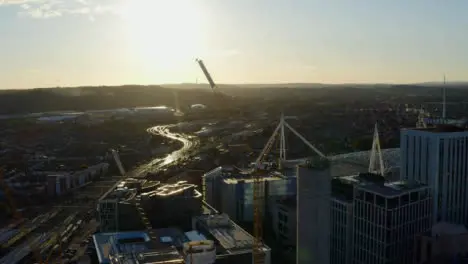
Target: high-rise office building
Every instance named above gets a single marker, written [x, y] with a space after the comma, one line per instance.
[341, 221]
[438, 156]
[374, 221]
[313, 212]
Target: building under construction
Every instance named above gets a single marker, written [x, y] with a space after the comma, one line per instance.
[117, 208]
[159, 205]
[172, 205]
[231, 191]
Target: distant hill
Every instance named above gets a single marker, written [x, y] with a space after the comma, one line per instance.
[448, 84]
[109, 97]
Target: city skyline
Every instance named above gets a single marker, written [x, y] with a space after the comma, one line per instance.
[49, 43]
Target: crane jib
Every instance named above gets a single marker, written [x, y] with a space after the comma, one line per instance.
[207, 74]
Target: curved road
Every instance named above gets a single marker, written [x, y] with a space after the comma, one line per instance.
[159, 163]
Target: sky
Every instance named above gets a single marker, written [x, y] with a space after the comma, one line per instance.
[59, 43]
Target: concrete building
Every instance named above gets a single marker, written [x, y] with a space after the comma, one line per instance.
[313, 212]
[211, 182]
[130, 247]
[62, 177]
[213, 239]
[437, 156]
[172, 204]
[230, 191]
[374, 221]
[445, 243]
[284, 220]
[234, 244]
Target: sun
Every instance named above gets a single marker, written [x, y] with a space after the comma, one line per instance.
[164, 31]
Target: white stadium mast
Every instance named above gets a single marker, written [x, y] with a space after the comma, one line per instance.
[376, 151]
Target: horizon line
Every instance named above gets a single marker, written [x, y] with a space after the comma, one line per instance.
[245, 84]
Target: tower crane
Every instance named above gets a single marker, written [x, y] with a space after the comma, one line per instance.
[207, 75]
[258, 255]
[213, 85]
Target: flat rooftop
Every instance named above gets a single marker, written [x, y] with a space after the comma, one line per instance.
[173, 189]
[138, 245]
[178, 189]
[392, 189]
[166, 244]
[231, 237]
[442, 129]
[343, 187]
[250, 179]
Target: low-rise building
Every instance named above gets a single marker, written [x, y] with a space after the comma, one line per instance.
[213, 239]
[64, 175]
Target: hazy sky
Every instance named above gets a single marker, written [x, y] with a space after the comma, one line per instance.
[107, 42]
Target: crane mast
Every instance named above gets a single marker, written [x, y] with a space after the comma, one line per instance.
[258, 255]
[207, 74]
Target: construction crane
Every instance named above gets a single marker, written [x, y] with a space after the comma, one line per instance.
[213, 85]
[258, 172]
[207, 75]
[258, 255]
[226, 101]
[16, 213]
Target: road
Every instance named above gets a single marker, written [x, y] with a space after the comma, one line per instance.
[189, 143]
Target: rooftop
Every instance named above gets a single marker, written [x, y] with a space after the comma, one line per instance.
[442, 129]
[172, 189]
[343, 187]
[181, 188]
[167, 244]
[232, 238]
[392, 189]
[139, 246]
[250, 179]
[316, 163]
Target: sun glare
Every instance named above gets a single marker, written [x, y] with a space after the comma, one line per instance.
[164, 32]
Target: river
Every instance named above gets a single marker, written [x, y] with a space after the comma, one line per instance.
[172, 158]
